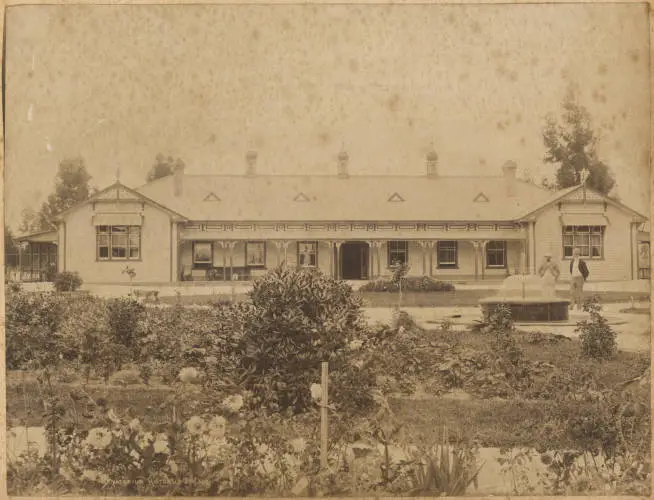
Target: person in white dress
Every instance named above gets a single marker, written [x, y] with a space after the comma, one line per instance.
[549, 273]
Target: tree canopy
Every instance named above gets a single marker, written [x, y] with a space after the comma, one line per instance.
[571, 144]
[163, 167]
[71, 187]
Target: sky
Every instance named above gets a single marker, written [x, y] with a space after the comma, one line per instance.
[117, 85]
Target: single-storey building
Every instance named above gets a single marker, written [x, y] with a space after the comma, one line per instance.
[225, 227]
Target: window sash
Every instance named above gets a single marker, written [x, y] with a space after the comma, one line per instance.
[307, 253]
[447, 254]
[588, 239]
[496, 254]
[255, 254]
[118, 242]
[398, 251]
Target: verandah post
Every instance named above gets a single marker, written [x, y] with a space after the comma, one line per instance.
[324, 427]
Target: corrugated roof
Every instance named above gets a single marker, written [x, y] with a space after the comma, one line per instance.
[356, 198]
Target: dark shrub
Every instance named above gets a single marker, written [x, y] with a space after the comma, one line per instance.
[32, 322]
[123, 318]
[409, 284]
[67, 281]
[598, 339]
[296, 319]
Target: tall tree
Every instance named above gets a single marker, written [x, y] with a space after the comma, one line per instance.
[10, 244]
[71, 187]
[163, 167]
[571, 144]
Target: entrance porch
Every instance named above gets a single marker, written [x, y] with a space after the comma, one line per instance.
[448, 260]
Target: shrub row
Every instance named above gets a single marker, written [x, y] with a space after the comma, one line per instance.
[409, 284]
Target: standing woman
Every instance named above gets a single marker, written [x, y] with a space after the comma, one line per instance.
[549, 272]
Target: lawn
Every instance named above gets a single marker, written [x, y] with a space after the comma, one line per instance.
[458, 298]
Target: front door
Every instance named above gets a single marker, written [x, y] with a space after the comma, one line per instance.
[354, 260]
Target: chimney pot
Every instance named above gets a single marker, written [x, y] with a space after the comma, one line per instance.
[509, 170]
[178, 179]
[251, 159]
[343, 159]
[431, 163]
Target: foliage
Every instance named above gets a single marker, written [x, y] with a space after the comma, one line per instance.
[295, 320]
[572, 145]
[163, 167]
[10, 244]
[129, 271]
[71, 187]
[124, 314]
[409, 284]
[598, 339]
[67, 281]
[32, 324]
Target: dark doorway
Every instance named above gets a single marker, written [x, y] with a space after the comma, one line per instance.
[354, 260]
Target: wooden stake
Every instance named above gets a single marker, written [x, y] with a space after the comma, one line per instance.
[324, 427]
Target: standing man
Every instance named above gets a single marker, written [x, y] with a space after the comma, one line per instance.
[578, 275]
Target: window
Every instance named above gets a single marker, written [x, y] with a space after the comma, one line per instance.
[118, 242]
[398, 252]
[446, 254]
[588, 239]
[496, 254]
[202, 254]
[255, 254]
[307, 255]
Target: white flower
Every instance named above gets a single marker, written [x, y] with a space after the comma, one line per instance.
[173, 466]
[98, 438]
[298, 444]
[358, 363]
[214, 448]
[135, 425]
[189, 375]
[217, 426]
[161, 444]
[316, 392]
[355, 345]
[195, 425]
[146, 439]
[234, 402]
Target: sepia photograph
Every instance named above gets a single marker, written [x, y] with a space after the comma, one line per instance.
[327, 250]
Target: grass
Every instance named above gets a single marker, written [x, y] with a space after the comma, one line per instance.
[458, 298]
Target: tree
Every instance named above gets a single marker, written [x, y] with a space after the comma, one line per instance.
[71, 187]
[163, 167]
[572, 145]
[10, 244]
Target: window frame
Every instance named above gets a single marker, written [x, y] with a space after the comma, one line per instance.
[255, 266]
[448, 264]
[577, 234]
[314, 253]
[398, 251]
[502, 250]
[133, 241]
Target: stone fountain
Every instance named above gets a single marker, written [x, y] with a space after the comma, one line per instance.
[529, 299]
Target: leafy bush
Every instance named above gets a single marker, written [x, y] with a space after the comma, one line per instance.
[409, 284]
[32, 325]
[295, 320]
[67, 281]
[123, 317]
[598, 339]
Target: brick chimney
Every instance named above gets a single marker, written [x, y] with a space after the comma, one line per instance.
[251, 160]
[509, 170]
[431, 162]
[343, 159]
[178, 179]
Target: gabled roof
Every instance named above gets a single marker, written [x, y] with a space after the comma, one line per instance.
[102, 196]
[356, 198]
[573, 193]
